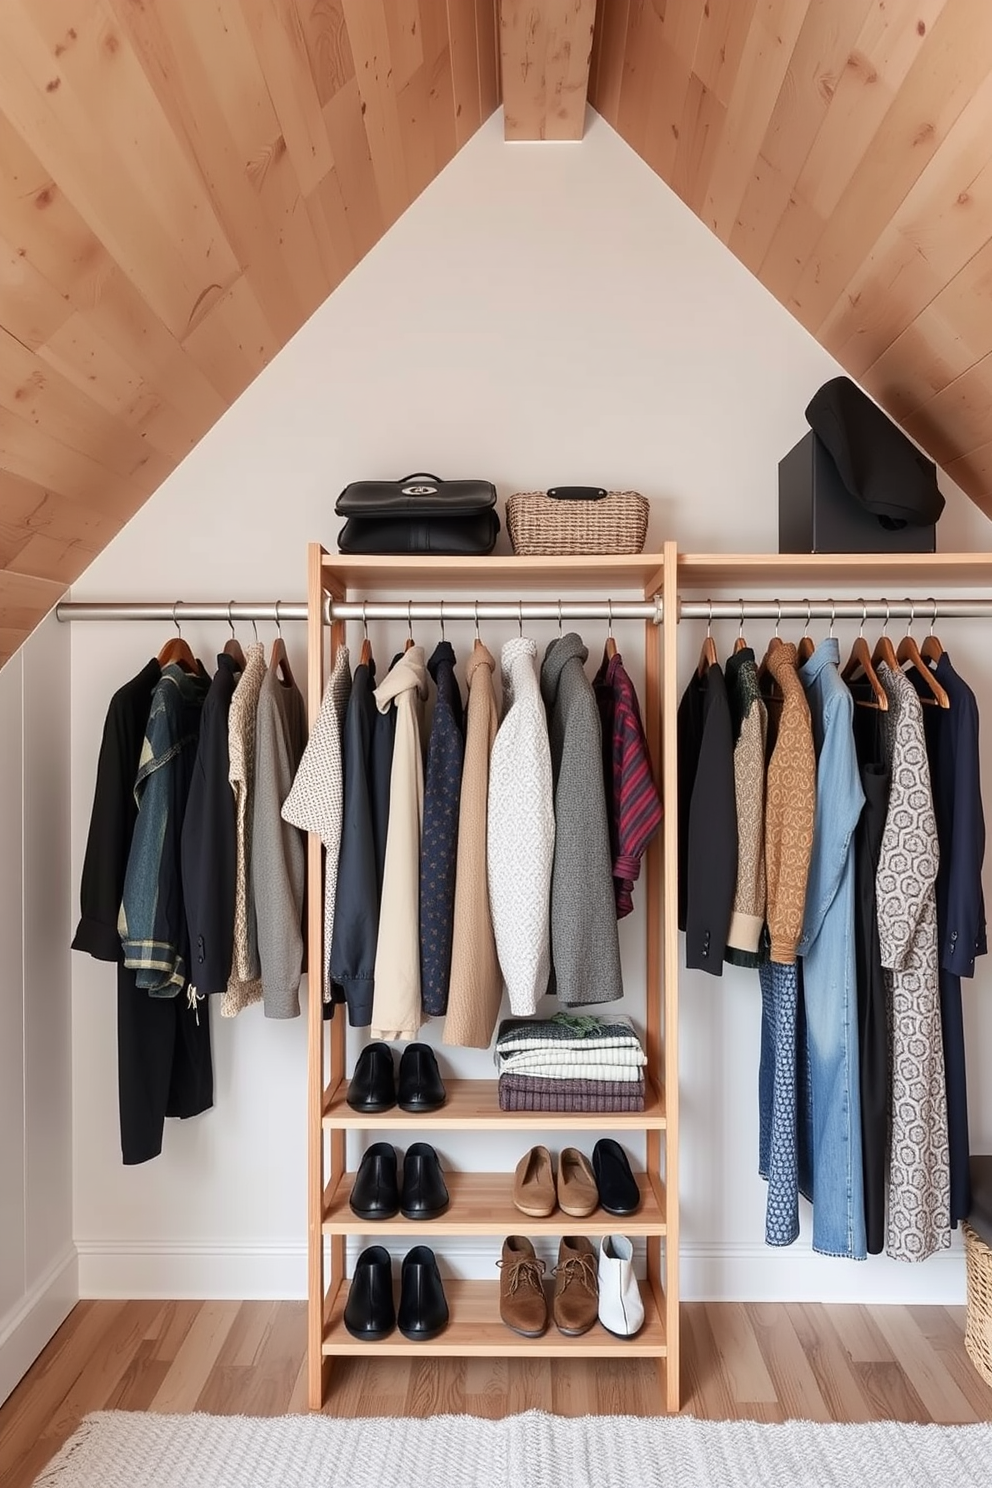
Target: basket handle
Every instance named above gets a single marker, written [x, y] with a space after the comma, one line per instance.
[576, 493]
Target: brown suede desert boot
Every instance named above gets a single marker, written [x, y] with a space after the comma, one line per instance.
[522, 1303]
[576, 1303]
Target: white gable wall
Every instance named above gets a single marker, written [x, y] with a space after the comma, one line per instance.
[542, 314]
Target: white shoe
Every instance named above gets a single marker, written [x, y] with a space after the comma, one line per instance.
[621, 1310]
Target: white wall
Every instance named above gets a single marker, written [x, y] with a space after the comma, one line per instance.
[541, 314]
[38, 1282]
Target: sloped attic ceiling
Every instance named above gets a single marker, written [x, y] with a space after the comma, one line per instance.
[182, 182]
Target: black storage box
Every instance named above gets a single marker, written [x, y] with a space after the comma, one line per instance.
[817, 513]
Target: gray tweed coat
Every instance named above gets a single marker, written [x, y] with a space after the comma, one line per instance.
[585, 950]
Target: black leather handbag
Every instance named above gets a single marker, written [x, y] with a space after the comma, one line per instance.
[418, 514]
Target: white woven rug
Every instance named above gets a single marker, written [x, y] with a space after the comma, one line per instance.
[119, 1449]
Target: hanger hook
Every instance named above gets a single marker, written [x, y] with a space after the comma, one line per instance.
[809, 616]
[709, 617]
[833, 614]
[778, 620]
[933, 618]
[864, 617]
[175, 605]
[912, 614]
[409, 618]
[477, 635]
[520, 617]
[255, 629]
[230, 605]
[609, 626]
[442, 619]
[740, 628]
[365, 622]
[559, 620]
[278, 621]
[885, 622]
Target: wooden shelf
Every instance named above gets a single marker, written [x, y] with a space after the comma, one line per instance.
[476, 1331]
[696, 570]
[482, 1204]
[607, 573]
[473, 1105]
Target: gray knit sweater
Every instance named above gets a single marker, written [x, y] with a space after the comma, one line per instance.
[585, 950]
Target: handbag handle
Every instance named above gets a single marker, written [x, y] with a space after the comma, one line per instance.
[576, 493]
[419, 475]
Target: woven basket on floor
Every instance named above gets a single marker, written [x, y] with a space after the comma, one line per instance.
[978, 1327]
[540, 525]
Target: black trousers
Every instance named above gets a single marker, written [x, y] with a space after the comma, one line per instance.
[164, 1064]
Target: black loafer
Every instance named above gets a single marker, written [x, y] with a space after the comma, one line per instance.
[423, 1195]
[373, 1085]
[369, 1313]
[420, 1084]
[375, 1192]
[423, 1309]
[618, 1190]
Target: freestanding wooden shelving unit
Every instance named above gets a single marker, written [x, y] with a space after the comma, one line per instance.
[481, 1203]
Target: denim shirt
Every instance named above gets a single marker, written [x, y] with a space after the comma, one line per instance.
[152, 921]
[828, 950]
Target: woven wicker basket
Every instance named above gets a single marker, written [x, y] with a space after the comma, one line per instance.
[978, 1327]
[541, 525]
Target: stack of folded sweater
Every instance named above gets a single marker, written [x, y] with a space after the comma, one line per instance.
[570, 1063]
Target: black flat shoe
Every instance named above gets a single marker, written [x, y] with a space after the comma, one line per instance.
[420, 1084]
[375, 1192]
[369, 1313]
[423, 1309]
[373, 1085]
[423, 1195]
[618, 1190]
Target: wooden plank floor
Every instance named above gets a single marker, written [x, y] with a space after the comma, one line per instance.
[766, 1361]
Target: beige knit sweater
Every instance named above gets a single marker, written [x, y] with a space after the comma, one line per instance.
[476, 983]
[245, 982]
[790, 801]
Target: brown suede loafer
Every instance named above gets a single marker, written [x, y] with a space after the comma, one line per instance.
[576, 1300]
[534, 1184]
[577, 1191]
[522, 1303]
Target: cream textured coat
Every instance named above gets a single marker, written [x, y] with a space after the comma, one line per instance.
[521, 831]
[245, 983]
[396, 1011]
[316, 801]
[475, 987]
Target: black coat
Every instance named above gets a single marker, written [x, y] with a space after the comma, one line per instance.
[952, 749]
[209, 841]
[707, 820]
[367, 756]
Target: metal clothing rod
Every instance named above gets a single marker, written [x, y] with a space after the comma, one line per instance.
[276, 611]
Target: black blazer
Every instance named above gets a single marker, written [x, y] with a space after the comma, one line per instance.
[209, 841]
[707, 822]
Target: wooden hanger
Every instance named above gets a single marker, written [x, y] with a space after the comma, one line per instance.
[909, 651]
[771, 648]
[860, 660]
[707, 655]
[232, 648]
[177, 650]
[279, 658]
[884, 651]
[932, 649]
[806, 645]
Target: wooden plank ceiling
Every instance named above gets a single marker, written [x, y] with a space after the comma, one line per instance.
[842, 149]
[182, 183]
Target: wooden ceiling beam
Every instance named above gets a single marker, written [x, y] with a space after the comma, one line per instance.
[546, 48]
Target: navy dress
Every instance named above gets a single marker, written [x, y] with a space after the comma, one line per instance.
[952, 749]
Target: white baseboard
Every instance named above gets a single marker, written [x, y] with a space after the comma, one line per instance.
[133, 1269]
[709, 1271]
[718, 1272]
[26, 1329]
